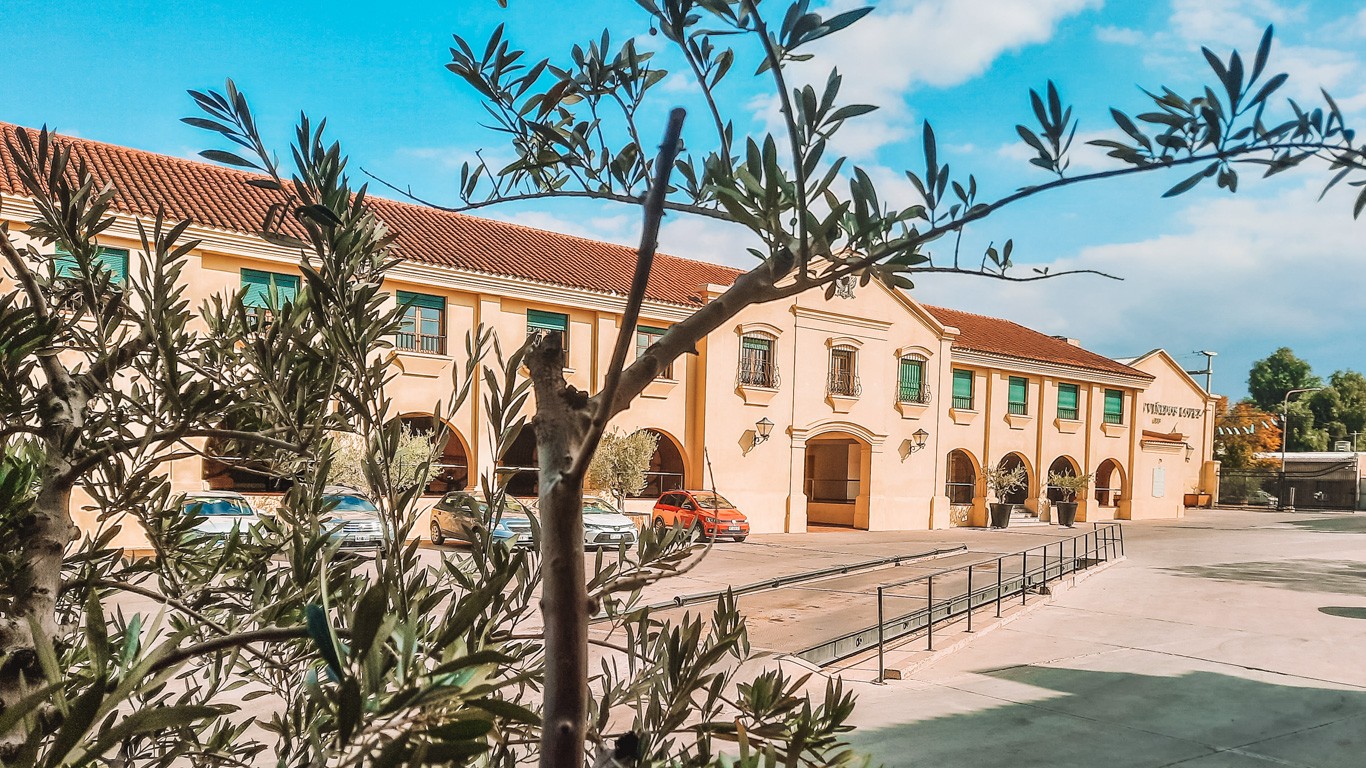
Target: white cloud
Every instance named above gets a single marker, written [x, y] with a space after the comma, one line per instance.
[1084, 157]
[1241, 275]
[1225, 22]
[907, 44]
[1120, 35]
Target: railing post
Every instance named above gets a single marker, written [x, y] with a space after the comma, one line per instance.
[1024, 574]
[1045, 565]
[1061, 564]
[881, 639]
[1121, 540]
[929, 613]
[1000, 565]
[969, 597]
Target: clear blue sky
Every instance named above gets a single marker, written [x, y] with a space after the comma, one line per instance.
[1240, 275]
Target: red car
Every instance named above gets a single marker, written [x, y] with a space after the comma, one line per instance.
[702, 512]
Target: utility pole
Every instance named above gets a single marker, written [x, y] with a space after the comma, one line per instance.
[1285, 431]
[1208, 371]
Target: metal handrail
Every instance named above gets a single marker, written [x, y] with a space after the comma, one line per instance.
[843, 384]
[1104, 542]
[757, 373]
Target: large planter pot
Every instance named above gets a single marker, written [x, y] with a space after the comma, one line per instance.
[1000, 515]
[1067, 513]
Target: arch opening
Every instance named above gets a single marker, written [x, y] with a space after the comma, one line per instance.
[1063, 465]
[452, 467]
[960, 483]
[836, 480]
[667, 470]
[1019, 495]
[520, 466]
[1109, 483]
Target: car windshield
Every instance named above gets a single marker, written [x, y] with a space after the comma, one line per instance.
[511, 506]
[598, 507]
[352, 504]
[710, 500]
[218, 507]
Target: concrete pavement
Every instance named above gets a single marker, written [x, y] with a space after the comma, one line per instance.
[1228, 638]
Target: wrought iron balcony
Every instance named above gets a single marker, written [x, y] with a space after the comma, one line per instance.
[1113, 418]
[921, 395]
[843, 384]
[757, 373]
[1017, 409]
[417, 342]
[1067, 414]
[962, 403]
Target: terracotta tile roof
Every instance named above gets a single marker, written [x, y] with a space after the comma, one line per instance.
[1002, 337]
[218, 197]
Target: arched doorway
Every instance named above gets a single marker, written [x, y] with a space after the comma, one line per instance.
[1063, 465]
[1109, 483]
[836, 480]
[452, 469]
[519, 467]
[1022, 494]
[230, 466]
[667, 470]
[960, 483]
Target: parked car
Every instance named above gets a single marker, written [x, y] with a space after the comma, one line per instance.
[460, 513]
[603, 525]
[353, 519]
[222, 511]
[703, 512]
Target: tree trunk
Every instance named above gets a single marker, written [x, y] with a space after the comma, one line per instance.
[561, 422]
[33, 596]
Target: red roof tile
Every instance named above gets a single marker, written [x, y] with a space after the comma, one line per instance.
[218, 197]
[1002, 337]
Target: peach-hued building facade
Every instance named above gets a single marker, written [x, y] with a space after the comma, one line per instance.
[851, 385]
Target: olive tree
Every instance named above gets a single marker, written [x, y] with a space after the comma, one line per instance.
[620, 463]
[578, 124]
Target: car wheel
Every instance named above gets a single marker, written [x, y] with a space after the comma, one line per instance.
[739, 539]
[696, 533]
[438, 538]
[659, 526]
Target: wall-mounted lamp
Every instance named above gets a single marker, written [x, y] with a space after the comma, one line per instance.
[914, 443]
[762, 429]
[1190, 450]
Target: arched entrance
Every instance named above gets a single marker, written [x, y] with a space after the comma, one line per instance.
[667, 470]
[1109, 483]
[1022, 494]
[452, 470]
[519, 467]
[1063, 465]
[966, 505]
[229, 466]
[836, 480]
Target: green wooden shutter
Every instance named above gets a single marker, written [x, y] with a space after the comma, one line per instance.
[259, 284]
[1018, 391]
[549, 321]
[1067, 398]
[912, 378]
[1114, 406]
[112, 260]
[421, 300]
[962, 387]
[758, 343]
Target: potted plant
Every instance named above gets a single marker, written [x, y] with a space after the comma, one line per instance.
[1000, 482]
[1068, 486]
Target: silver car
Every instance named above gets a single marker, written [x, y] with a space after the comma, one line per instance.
[604, 526]
[353, 519]
[222, 511]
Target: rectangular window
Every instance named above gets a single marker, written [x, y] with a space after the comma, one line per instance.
[1114, 406]
[111, 260]
[962, 389]
[539, 323]
[645, 337]
[267, 291]
[1017, 396]
[423, 328]
[1067, 402]
[844, 372]
[911, 382]
[757, 368]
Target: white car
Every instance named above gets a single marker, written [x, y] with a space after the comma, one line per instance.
[604, 526]
[222, 511]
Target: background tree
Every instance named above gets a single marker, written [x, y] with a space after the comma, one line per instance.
[1271, 377]
[621, 463]
[1339, 409]
[412, 465]
[1243, 431]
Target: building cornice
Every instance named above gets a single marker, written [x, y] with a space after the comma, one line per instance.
[821, 315]
[972, 357]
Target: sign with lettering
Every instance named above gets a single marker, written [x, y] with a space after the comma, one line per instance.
[1160, 409]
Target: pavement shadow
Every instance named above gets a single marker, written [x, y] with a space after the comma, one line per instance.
[1123, 720]
[1344, 611]
[1353, 524]
[1346, 577]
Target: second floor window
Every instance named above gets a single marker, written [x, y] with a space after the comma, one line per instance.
[911, 381]
[1017, 396]
[267, 292]
[962, 389]
[1067, 402]
[844, 372]
[541, 324]
[111, 260]
[424, 323]
[1114, 406]
[757, 366]
[646, 336]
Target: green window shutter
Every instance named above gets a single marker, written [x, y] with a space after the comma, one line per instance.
[1067, 397]
[549, 321]
[962, 384]
[912, 377]
[421, 300]
[112, 260]
[1019, 389]
[1114, 406]
[259, 284]
[759, 343]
